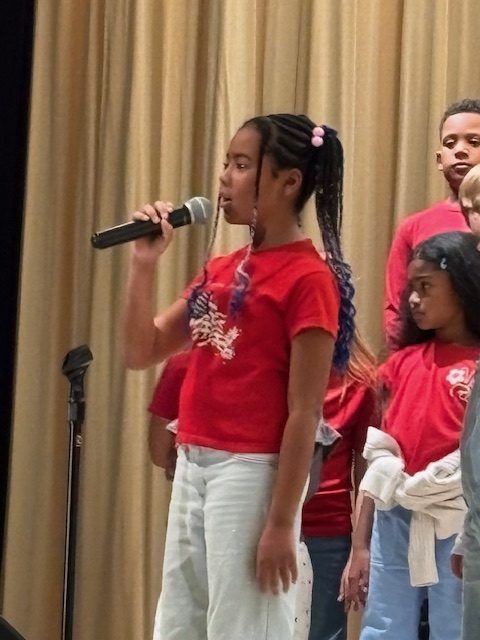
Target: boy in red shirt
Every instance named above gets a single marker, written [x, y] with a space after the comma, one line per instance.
[459, 152]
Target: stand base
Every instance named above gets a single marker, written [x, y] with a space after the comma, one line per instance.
[7, 632]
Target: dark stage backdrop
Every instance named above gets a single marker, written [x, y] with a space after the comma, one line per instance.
[16, 38]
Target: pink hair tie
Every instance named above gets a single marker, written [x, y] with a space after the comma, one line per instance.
[317, 136]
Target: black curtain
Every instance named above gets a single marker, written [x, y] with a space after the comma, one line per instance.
[16, 38]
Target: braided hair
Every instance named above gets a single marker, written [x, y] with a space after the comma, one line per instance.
[287, 140]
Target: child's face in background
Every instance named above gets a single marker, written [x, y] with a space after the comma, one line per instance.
[237, 180]
[471, 211]
[433, 302]
[460, 147]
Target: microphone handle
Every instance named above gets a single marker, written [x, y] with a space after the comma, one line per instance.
[137, 229]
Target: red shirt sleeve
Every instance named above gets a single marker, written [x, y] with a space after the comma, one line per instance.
[166, 397]
[313, 303]
[395, 283]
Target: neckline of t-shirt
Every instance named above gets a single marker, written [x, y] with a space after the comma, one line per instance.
[455, 345]
[294, 244]
[452, 205]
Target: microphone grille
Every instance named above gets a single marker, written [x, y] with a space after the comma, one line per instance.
[200, 209]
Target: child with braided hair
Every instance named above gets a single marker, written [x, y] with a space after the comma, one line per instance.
[264, 323]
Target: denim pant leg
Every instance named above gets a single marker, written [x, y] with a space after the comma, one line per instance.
[445, 597]
[329, 556]
[393, 605]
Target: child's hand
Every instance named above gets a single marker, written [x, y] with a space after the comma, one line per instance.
[456, 562]
[358, 575]
[276, 559]
[342, 594]
[149, 248]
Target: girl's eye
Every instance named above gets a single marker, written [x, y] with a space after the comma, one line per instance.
[241, 165]
[475, 142]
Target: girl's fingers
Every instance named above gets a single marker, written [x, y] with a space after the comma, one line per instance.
[155, 212]
[275, 581]
[272, 579]
[167, 230]
[286, 579]
[140, 215]
[151, 212]
[294, 571]
[163, 208]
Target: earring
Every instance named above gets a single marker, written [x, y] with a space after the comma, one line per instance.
[253, 223]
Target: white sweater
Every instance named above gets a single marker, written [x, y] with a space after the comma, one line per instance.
[434, 496]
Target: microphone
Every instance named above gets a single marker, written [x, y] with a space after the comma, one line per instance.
[195, 211]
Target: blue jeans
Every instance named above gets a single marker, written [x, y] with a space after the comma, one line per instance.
[329, 556]
[393, 605]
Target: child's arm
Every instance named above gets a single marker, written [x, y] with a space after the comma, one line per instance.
[359, 563]
[161, 444]
[359, 469]
[148, 339]
[310, 362]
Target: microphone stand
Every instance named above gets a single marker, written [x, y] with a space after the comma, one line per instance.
[74, 367]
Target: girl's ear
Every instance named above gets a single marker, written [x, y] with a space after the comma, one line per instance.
[292, 182]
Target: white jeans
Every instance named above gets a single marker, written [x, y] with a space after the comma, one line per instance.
[217, 512]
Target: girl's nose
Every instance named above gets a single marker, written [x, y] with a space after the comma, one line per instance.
[413, 299]
[223, 177]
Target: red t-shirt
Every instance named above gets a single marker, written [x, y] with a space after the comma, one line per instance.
[349, 409]
[427, 387]
[439, 218]
[166, 396]
[234, 396]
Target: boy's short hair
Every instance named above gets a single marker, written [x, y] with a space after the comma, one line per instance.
[467, 105]
[470, 187]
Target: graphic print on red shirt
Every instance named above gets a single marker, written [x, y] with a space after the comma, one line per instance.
[234, 396]
[428, 386]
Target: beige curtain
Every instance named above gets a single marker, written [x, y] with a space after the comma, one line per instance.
[136, 99]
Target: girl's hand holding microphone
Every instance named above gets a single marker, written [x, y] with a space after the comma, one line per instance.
[147, 249]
